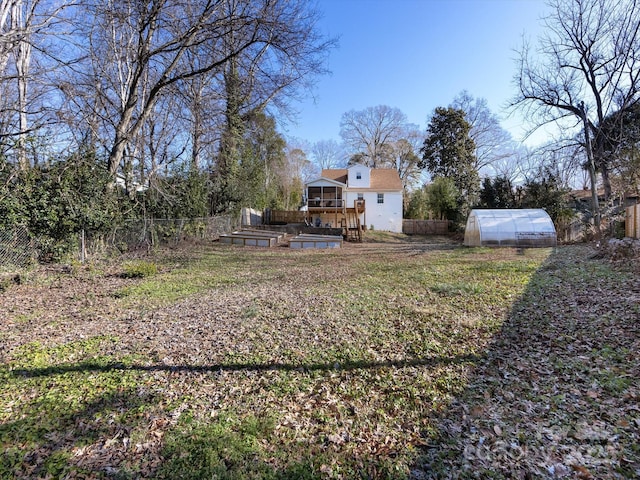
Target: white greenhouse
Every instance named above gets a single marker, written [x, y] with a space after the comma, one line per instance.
[510, 228]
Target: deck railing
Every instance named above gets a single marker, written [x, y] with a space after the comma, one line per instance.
[325, 203]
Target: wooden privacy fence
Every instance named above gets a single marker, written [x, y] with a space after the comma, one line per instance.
[425, 227]
[632, 221]
[284, 216]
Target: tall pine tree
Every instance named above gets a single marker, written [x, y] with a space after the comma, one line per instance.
[449, 152]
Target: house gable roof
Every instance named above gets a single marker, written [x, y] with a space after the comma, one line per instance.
[323, 179]
[386, 179]
[336, 174]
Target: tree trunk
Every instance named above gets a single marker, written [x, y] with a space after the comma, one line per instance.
[123, 128]
[22, 59]
[196, 132]
[595, 205]
[6, 40]
[117, 151]
[229, 154]
[606, 180]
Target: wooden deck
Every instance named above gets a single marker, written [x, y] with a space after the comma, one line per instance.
[329, 213]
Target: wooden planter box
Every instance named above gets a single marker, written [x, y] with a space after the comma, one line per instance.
[252, 238]
[315, 241]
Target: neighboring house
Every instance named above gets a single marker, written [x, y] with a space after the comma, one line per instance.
[374, 195]
[583, 197]
[134, 185]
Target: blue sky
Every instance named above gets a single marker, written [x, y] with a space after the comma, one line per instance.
[417, 55]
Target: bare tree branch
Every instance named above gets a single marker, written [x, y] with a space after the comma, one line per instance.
[587, 68]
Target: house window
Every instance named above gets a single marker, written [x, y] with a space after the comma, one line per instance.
[358, 176]
[381, 198]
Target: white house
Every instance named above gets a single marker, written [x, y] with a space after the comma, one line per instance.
[374, 194]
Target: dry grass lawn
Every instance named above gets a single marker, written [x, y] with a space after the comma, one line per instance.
[396, 358]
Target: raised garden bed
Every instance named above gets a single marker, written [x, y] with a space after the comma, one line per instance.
[252, 238]
[315, 241]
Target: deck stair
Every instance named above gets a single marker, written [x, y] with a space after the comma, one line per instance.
[352, 229]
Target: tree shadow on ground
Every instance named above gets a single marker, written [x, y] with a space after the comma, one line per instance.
[131, 431]
[248, 367]
[54, 439]
[558, 392]
[121, 435]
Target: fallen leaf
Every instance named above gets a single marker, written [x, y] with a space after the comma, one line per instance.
[583, 473]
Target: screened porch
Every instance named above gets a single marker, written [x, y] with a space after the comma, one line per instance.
[324, 197]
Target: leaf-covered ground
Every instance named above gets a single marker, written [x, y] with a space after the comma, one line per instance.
[398, 359]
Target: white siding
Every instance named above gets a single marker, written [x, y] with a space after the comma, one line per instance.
[365, 176]
[386, 216]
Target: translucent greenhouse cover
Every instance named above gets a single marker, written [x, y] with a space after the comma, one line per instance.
[530, 227]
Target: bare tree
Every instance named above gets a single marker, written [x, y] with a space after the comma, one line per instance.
[264, 77]
[201, 110]
[9, 37]
[20, 22]
[587, 67]
[493, 143]
[369, 133]
[11, 31]
[328, 154]
[145, 47]
[296, 170]
[298, 165]
[161, 144]
[515, 166]
[23, 60]
[404, 156]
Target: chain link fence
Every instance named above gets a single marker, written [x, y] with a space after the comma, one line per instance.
[17, 248]
[153, 232]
